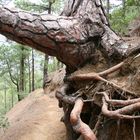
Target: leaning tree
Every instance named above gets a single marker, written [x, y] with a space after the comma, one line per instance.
[100, 95]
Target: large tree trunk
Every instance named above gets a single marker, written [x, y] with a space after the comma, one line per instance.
[46, 60]
[45, 73]
[73, 37]
[22, 73]
[80, 35]
[33, 71]
[22, 76]
[29, 74]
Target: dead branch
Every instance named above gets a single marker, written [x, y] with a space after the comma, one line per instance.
[77, 123]
[120, 113]
[119, 103]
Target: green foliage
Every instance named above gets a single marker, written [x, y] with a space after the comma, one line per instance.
[41, 6]
[10, 58]
[4, 123]
[29, 6]
[120, 18]
[133, 3]
[11, 55]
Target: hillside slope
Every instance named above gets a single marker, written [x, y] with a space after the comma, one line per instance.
[37, 117]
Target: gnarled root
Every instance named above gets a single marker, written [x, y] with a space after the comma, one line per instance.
[77, 123]
[119, 103]
[94, 75]
[98, 76]
[121, 113]
[65, 98]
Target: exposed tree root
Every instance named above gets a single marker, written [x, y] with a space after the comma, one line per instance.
[98, 76]
[65, 98]
[112, 108]
[122, 112]
[77, 123]
[95, 76]
[98, 123]
[118, 103]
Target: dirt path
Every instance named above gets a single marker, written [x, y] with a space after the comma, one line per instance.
[37, 117]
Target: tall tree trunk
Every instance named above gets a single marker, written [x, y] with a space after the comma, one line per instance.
[108, 7]
[33, 75]
[29, 74]
[22, 76]
[13, 79]
[68, 35]
[45, 74]
[5, 97]
[124, 7]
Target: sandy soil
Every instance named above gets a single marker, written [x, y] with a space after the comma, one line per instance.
[37, 117]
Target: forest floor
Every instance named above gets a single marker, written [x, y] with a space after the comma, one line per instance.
[37, 117]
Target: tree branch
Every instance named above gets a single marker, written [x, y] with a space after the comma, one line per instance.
[65, 36]
[13, 79]
[53, 35]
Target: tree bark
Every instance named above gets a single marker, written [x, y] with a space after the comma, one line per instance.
[29, 74]
[45, 74]
[124, 7]
[108, 7]
[21, 82]
[33, 73]
[76, 35]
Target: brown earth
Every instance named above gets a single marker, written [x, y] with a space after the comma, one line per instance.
[37, 117]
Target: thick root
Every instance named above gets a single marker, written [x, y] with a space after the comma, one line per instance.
[65, 98]
[122, 112]
[119, 103]
[98, 77]
[94, 75]
[77, 123]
